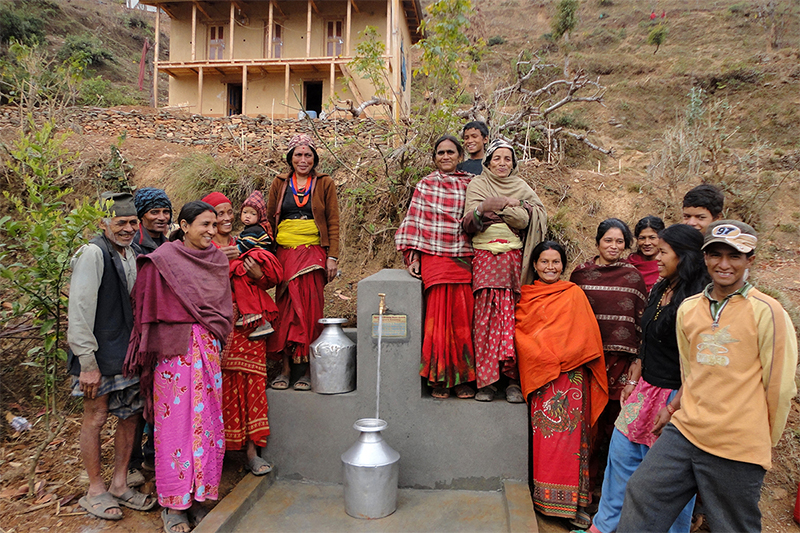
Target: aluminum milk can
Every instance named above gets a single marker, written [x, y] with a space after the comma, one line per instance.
[332, 359]
[371, 470]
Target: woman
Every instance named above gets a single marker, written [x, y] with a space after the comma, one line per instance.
[304, 209]
[644, 259]
[617, 293]
[436, 250]
[651, 393]
[182, 314]
[224, 239]
[564, 381]
[506, 220]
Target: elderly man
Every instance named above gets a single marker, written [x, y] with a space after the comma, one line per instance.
[100, 321]
[738, 355]
[154, 211]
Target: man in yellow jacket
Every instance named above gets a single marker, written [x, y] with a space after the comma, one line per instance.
[738, 355]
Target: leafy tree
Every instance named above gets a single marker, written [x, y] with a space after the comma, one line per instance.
[369, 61]
[38, 241]
[657, 36]
[20, 25]
[566, 19]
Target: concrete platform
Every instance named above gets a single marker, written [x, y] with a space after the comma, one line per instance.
[264, 504]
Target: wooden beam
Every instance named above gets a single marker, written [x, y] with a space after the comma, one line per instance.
[166, 10]
[348, 26]
[278, 7]
[314, 5]
[203, 11]
[396, 57]
[286, 80]
[270, 36]
[333, 80]
[200, 91]
[232, 25]
[194, 32]
[355, 6]
[244, 90]
[308, 30]
[388, 26]
[155, 58]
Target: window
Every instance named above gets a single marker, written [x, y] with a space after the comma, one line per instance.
[334, 40]
[277, 40]
[216, 43]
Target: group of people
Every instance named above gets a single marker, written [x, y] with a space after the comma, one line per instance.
[171, 326]
[663, 374]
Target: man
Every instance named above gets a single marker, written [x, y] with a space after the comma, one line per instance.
[738, 354]
[155, 214]
[702, 206]
[475, 135]
[100, 321]
[154, 211]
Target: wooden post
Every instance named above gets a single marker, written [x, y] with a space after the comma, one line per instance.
[395, 53]
[244, 90]
[155, 57]
[333, 80]
[270, 35]
[308, 31]
[286, 88]
[389, 27]
[230, 32]
[348, 26]
[194, 32]
[200, 91]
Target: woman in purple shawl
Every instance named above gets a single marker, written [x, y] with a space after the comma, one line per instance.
[182, 313]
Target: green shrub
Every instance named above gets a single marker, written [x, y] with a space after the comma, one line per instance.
[497, 39]
[566, 18]
[572, 120]
[88, 46]
[657, 36]
[605, 3]
[18, 24]
[97, 91]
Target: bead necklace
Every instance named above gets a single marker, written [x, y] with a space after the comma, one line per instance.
[661, 303]
[301, 195]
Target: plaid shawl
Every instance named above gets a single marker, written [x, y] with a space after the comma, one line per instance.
[433, 222]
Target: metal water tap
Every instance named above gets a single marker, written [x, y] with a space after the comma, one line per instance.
[382, 304]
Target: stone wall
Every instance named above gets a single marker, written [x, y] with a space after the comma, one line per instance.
[247, 133]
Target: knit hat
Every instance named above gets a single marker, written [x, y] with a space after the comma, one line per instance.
[492, 148]
[118, 204]
[256, 201]
[302, 139]
[148, 198]
[736, 234]
[216, 198]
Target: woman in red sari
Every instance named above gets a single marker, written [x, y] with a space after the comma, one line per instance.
[618, 296]
[563, 377]
[437, 250]
[304, 210]
[644, 258]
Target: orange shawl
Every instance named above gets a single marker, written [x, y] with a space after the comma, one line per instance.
[556, 332]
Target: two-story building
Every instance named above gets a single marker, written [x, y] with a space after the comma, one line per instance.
[280, 57]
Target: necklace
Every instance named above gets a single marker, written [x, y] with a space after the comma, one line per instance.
[661, 304]
[301, 195]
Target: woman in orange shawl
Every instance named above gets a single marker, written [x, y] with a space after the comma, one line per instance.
[562, 370]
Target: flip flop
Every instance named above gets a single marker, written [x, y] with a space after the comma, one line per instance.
[486, 394]
[99, 506]
[440, 393]
[171, 520]
[304, 383]
[280, 383]
[136, 500]
[464, 391]
[514, 394]
[256, 466]
[135, 477]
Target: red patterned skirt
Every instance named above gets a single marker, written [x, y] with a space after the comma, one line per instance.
[560, 445]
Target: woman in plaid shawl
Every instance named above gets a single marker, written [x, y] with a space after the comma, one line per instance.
[437, 250]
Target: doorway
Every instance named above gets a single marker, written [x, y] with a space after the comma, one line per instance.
[234, 99]
[313, 96]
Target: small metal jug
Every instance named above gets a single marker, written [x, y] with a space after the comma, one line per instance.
[332, 359]
[371, 470]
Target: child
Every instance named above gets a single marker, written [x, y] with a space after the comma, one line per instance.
[255, 306]
[702, 206]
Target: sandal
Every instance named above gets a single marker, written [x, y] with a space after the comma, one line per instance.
[280, 383]
[582, 520]
[440, 393]
[173, 519]
[514, 394]
[136, 500]
[135, 477]
[100, 505]
[486, 394]
[304, 383]
[258, 466]
[464, 391]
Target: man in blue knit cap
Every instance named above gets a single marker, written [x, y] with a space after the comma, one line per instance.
[155, 213]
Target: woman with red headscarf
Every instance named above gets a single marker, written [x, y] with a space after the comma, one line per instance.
[303, 207]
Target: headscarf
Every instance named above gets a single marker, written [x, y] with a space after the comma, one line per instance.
[216, 198]
[256, 201]
[148, 198]
[302, 139]
[493, 146]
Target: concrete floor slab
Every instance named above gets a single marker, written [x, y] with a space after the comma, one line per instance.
[291, 506]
